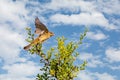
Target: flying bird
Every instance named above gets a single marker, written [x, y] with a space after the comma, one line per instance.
[43, 33]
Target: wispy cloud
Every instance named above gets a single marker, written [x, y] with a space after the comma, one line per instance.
[13, 13]
[115, 67]
[96, 36]
[95, 76]
[87, 19]
[93, 61]
[105, 6]
[113, 54]
[11, 30]
[71, 5]
[20, 71]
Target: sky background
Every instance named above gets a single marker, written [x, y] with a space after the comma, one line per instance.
[101, 46]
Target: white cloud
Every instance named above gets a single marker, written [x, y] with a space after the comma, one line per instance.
[96, 36]
[105, 6]
[11, 44]
[86, 56]
[93, 61]
[0, 59]
[80, 19]
[89, 19]
[14, 18]
[20, 71]
[115, 67]
[105, 76]
[113, 54]
[71, 5]
[95, 76]
[13, 13]
[4, 77]
[85, 76]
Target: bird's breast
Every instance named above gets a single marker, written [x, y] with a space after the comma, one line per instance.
[44, 37]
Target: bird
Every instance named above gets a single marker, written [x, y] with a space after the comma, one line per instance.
[43, 33]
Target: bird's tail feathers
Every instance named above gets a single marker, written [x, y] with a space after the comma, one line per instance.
[27, 47]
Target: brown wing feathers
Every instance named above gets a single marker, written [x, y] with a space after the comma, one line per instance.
[40, 27]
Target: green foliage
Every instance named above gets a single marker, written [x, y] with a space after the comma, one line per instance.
[58, 61]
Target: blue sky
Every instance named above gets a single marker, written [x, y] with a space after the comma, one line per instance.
[101, 47]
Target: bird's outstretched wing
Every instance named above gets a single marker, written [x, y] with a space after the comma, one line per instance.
[40, 27]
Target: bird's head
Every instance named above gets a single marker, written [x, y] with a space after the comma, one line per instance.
[51, 33]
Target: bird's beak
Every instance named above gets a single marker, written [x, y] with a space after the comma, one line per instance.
[53, 34]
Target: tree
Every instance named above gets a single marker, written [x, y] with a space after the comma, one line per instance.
[58, 62]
